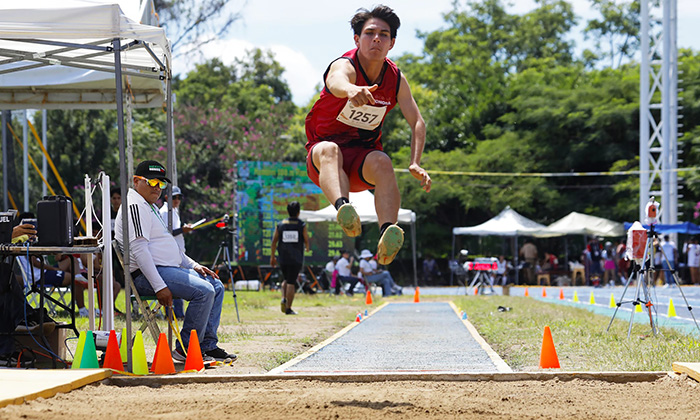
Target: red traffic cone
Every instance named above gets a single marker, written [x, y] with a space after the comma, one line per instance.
[548, 355]
[163, 360]
[113, 360]
[194, 359]
[358, 318]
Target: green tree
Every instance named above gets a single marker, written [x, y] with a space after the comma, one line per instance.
[617, 28]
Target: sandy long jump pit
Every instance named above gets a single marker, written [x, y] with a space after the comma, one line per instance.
[372, 379]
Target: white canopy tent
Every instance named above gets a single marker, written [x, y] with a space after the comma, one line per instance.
[583, 224]
[80, 54]
[506, 223]
[364, 205]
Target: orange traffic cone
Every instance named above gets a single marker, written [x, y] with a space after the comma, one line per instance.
[194, 359]
[113, 360]
[476, 290]
[561, 294]
[548, 355]
[416, 295]
[527, 294]
[544, 292]
[368, 298]
[163, 360]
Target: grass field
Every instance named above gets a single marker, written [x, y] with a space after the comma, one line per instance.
[267, 338]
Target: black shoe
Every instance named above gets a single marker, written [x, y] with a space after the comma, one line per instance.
[283, 305]
[221, 355]
[290, 311]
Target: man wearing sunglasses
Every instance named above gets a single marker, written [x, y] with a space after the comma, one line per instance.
[160, 268]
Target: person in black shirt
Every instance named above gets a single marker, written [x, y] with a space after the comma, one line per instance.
[290, 240]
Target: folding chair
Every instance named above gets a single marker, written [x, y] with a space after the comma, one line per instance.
[31, 291]
[147, 305]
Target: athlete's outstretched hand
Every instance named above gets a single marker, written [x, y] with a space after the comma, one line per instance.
[361, 95]
[421, 175]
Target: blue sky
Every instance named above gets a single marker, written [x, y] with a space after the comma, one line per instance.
[306, 35]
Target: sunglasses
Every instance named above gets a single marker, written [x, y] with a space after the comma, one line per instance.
[155, 182]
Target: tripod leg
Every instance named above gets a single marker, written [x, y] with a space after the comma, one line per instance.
[216, 259]
[635, 275]
[227, 261]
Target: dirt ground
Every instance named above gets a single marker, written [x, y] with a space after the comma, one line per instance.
[667, 398]
[675, 396]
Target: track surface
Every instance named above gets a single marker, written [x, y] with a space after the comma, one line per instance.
[403, 337]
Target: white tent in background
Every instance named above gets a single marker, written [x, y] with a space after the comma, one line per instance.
[364, 205]
[583, 224]
[506, 223]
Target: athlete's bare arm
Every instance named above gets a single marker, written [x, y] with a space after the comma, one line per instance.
[412, 115]
[341, 82]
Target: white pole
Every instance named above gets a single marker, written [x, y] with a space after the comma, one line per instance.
[44, 170]
[90, 267]
[25, 160]
[107, 276]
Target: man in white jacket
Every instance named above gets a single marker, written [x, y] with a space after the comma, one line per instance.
[160, 268]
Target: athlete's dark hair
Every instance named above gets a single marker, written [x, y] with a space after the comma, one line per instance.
[293, 209]
[382, 12]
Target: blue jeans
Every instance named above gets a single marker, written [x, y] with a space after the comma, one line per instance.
[383, 279]
[667, 272]
[206, 297]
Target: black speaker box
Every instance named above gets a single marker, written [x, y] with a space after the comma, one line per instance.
[7, 222]
[55, 222]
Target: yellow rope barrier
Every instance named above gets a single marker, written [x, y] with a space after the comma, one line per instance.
[31, 159]
[545, 174]
[55, 172]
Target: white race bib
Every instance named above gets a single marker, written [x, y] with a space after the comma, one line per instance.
[290, 236]
[366, 117]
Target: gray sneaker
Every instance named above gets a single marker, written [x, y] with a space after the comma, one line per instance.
[178, 356]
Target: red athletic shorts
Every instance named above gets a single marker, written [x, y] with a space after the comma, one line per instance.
[353, 160]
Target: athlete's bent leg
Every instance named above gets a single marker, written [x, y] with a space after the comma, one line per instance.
[333, 181]
[377, 169]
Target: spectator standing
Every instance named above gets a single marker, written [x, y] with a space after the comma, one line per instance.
[528, 252]
[430, 270]
[609, 264]
[693, 256]
[669, 263]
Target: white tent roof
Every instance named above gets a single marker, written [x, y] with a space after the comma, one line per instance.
[583, 224]
[364, 204]
[507, 223]
[58, 55]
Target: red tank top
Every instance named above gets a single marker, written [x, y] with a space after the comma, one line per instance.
[322, 123]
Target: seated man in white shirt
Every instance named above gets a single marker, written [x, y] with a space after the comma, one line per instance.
[381, 277]
[160, 268]
[345, 273]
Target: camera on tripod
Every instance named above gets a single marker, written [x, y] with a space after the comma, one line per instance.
[225, 223]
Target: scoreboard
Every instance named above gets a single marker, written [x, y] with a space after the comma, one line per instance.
[263, 190]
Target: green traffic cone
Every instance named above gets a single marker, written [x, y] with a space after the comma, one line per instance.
[89, 359]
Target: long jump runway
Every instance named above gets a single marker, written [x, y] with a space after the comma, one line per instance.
[402, 337]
